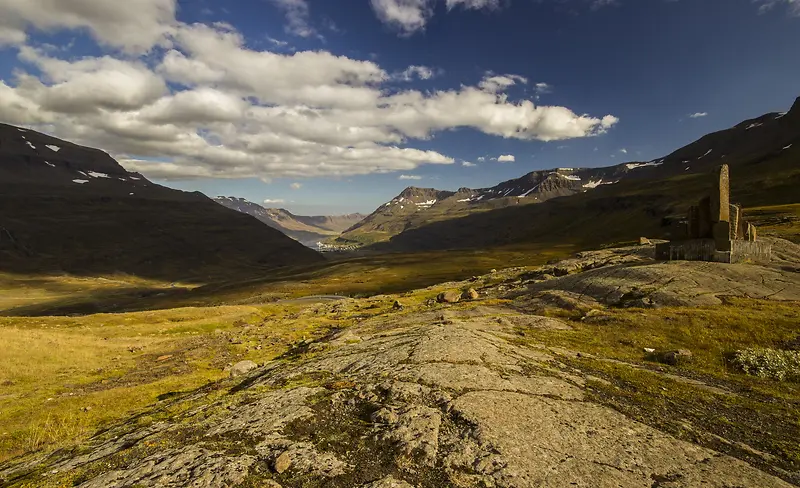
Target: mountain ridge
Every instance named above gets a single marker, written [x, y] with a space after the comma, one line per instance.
[70, 208]
[767, 136]
[306, 229]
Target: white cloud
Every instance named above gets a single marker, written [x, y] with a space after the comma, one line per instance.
[411, 16]
[296, 186]
[406, 16]
[698, 115]
[270, 201]
[481, 159]
[467, 164]
[132, 25]
[89, 84]
[542, 88]
[623, 151]
[409, 177]
[495, 84]
[296, 17]
[234, 112]
[792, 6]
[506, 158]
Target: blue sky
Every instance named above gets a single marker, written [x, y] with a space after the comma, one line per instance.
[335, 106]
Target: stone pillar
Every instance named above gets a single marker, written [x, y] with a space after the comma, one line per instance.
[721, 195]
[751, 232]
[736, 222]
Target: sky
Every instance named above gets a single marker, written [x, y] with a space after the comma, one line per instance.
[334, 106]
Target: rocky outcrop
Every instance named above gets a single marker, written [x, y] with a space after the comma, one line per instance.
[414, 403]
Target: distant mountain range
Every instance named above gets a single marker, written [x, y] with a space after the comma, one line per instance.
[69, 208]
[764, 154]
[307, 230]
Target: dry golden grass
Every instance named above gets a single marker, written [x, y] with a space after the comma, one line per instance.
[61, 378]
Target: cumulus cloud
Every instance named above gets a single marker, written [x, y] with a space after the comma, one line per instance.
[697, 115]
[481, 159]
[623, 151]
[467, 164]
[406, 16]
[210, 107]
[133, 25]
[409, 177]
[506, 158]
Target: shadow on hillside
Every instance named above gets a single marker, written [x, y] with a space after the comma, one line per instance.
[622, 212]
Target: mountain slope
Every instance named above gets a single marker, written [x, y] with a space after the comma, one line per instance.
[65, 207]
[762, 153]
[307, 230]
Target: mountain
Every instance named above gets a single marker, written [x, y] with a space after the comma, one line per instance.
[69, 208]
[611, 202]
[650, 200]
[307, 230]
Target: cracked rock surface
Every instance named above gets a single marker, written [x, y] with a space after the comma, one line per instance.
[431, 404]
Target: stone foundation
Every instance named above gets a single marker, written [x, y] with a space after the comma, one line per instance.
[708, 250]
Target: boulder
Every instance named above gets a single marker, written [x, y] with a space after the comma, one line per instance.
[470, 294]
[644, 241]
[242, 368]
[397, 305]
[676, 358]
[449, 297]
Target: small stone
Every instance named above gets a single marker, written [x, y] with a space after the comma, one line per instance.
[397, 305]
[493, 270]
[282, 463]
[649, 350]
[164, 357]
[449, 297]
[470, 294]
[242, 368]
[644, 241]
[86, 409]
